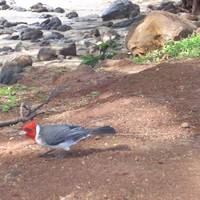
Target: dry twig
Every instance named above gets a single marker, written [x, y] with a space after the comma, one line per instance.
[31, 112]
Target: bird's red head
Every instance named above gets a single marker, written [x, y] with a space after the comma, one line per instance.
[30, 129]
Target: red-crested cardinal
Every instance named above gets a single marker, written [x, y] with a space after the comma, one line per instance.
[61, 136]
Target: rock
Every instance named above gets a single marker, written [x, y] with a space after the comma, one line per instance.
[121, 9]
[45, 43]
[2, 2]
[169, 6]
[68, 50]
[39, 7]
[51, 24]
[109, 35]
[4, 7]
[10, 74]
[152, 33]
[198, 31]
[45, 16]
[11, 70]
[96, 33]
[64, 28]
[60, 57]
[31, 34]
[23, 61]
[59, 10]
[14, 36]
[19, 9]
[128, 22]
[53, 36]
[197, 23]
[6, 49]
[20, 47]
[2, 21]
[108, 24]
[71, 15]
[88, 18]
[10, 24]
[188, 16]
[185, 125]
[46, 54]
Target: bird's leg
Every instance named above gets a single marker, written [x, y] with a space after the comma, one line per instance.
[46, 153]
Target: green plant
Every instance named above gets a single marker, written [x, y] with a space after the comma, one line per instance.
[106, 50]
[95, 94]
[90, 60]
[185, 48]
[8, 98]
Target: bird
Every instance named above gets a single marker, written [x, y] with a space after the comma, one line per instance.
[61, 136]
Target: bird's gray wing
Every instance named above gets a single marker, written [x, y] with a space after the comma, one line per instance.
[77, 134]
[56, 134]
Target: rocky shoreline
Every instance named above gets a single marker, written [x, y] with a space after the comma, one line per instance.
[65, 36]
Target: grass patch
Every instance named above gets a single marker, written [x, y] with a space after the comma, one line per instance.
[185, 48]
[91, 60]
[8, 99]
[106, 50]
[95, 94]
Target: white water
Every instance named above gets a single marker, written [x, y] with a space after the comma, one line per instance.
[62, 3]
[83, 7]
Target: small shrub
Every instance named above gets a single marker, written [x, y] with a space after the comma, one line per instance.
[185, 48]
[106, 51]
[8, 98]
[90, 60]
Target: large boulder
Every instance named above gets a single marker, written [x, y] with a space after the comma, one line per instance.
[121, 9]
[39, 7]
[31, 34]
[11, 70]
[152, 33]
[51, 23]
[46, 54]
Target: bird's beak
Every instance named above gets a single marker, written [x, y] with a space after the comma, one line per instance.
[22, 133]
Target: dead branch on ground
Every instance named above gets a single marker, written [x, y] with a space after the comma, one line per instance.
[31, 112]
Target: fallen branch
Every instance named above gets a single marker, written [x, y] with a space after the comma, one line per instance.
[31, 113]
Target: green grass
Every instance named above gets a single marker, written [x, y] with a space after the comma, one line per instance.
[185, 48]
[95, 94]
[90, 59]
[8, 99]
[106, 50]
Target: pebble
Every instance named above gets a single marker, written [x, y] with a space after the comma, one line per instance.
[185, 125]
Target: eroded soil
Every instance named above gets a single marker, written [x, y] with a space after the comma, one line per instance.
[152, 157]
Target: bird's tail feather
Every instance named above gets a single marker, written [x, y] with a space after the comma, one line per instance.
[104, 130]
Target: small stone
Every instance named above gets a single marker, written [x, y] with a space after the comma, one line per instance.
[72, 14]
[185, 125]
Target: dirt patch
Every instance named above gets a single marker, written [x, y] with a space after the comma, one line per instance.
[151, 157]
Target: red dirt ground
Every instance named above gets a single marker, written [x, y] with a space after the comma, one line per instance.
[152, 157]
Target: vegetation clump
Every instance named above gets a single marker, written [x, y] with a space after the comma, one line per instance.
[185, 48]
[106, 50]
[8, 99]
